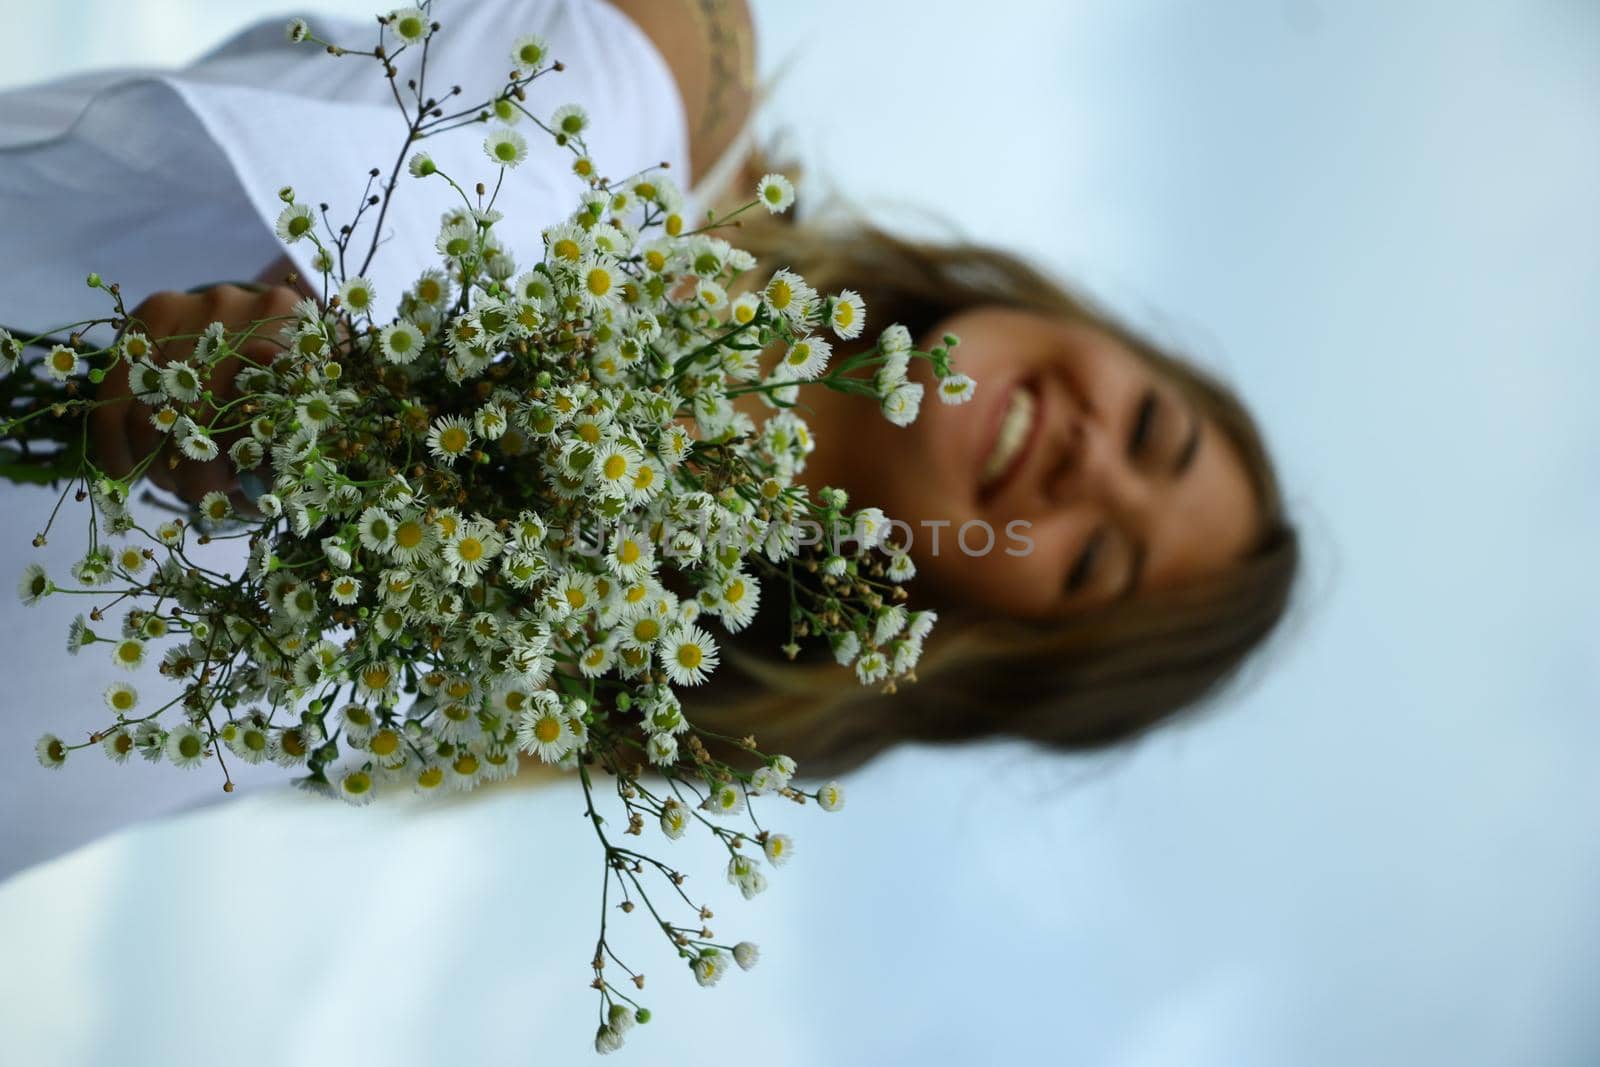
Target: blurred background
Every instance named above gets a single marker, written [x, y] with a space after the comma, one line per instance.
[1380, 221]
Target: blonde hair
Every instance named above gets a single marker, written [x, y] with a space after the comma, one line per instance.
[1088, 681]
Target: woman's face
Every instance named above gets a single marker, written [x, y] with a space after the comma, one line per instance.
[1076, 475]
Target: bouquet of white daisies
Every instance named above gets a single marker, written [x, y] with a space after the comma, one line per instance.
[504, 522]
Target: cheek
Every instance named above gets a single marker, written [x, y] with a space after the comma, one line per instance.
[1000, 570]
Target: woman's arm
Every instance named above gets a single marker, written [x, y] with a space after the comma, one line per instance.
[709, 45]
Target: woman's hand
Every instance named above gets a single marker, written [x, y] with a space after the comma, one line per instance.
[121, 432]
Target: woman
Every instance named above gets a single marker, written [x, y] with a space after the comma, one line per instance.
[1136, 548]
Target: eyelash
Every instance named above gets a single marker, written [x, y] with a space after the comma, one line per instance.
[1080, 570]
[1143, 420]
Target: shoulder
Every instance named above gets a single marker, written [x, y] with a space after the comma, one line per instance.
[709, 45]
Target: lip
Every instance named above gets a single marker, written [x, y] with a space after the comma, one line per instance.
[992, 492]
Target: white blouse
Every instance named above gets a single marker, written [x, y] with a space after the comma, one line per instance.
[166, 179]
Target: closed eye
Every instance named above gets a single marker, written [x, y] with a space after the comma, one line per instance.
[1143, 420]
[1079, 575]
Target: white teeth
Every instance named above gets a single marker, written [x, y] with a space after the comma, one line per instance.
[1014, 430]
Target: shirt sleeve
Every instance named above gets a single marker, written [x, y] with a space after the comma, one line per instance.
[167, 179]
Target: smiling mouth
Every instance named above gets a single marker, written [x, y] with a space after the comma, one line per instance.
[1016, 429]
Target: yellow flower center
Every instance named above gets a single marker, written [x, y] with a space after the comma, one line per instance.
[689, 656]
[629, 552]
[470, 549]
[453, 440]
[548, 729]
[385, 743]
[646, 629]
[615, 467]
[599, 281]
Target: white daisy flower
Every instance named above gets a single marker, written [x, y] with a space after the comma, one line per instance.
[674, 818]
[421, 165]
[128, 654]
[357, 295]
[725, 798]
[450, 438]
[775, 192]
[900, 568]
[62, 363]
[186, 746]
[745, 954]
[600, 282]
[831, 797]
[902, 404]
[615, 467]
[766, 780]
[51, 751]
[743, 310]
[787, 294]
[295, 222]
[739, 597]
[117, 745]
[357, 787]
[197, 443]
[472, 549]
[662, 749]
[630, 555]
[779, 848]
[345, 589]
[376, 530]
[744, 872]
[871, 667]
[215, 508]
[506, 147]
[180, 381]
[491, 421]
[457, 239]
[410, 24]
[35, 584]
[956, 389]
[709, 967]
[848, 316]
[568, 121]
[806, 358]
[401, 342]
[246, 454]
[542, 729]
[529, 52]
[688, 655]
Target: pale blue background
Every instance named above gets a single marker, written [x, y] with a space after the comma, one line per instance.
[1381, 221]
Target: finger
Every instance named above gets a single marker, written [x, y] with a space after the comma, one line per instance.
[194, 479]
[108, 421]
